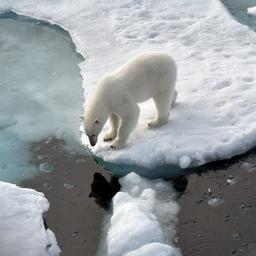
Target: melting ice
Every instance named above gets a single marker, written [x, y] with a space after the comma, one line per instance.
[40, 90]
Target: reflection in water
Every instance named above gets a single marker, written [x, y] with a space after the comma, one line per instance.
[103, 190]
[180, 184]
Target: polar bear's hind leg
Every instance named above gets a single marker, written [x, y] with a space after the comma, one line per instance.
[162, 102]
[174, 99]
[114, 125]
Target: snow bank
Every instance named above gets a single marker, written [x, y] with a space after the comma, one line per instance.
[143, 219]
[22, 230]
[216, 82]
[252, 10]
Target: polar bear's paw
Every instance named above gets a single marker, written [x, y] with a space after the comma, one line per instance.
[109, 136]
[157, 123]
[117, 144]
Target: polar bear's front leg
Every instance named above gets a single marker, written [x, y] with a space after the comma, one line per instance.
[129, 118]
[114, 125]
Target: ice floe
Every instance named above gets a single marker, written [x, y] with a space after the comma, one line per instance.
[252, 10]
[22, 230]
[143, 219]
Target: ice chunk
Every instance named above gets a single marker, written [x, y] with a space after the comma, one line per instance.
[252, 10]
[22, 231]
[184, 162]
[144, 217]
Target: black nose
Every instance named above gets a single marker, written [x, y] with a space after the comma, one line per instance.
[92, 140]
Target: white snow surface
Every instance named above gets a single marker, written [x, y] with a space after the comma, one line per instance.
[252, 10]
[143, 219]
[22, 229]
[214, 117]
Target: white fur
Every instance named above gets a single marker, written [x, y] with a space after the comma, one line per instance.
[149, 75]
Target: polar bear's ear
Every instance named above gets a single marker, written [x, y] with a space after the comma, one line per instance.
[96, 121]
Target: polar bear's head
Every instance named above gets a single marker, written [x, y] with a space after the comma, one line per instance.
[94, 119]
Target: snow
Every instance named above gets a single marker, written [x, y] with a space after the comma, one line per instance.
[143, 219]
[21, 227]
[252, 10]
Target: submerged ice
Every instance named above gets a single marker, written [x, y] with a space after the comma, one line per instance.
[40, 91]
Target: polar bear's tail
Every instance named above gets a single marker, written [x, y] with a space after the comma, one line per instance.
[174, 99]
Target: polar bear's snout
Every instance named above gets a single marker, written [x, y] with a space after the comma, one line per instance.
[93, 140]
[93, 128]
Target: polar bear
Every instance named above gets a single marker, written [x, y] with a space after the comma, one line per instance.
[117, 94]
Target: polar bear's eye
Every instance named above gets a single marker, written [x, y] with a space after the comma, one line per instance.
[96, 121]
